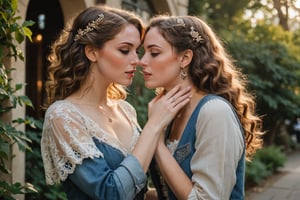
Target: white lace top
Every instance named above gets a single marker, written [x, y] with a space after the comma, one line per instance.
[67, 138]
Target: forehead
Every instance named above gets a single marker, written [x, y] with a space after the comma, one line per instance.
[154, 37]
[128, 34]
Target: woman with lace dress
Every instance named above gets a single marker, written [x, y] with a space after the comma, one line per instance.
[91, 142]
[205, 147]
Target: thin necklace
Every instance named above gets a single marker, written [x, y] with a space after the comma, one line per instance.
[101, 109]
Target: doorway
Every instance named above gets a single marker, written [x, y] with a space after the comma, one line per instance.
[49, 21]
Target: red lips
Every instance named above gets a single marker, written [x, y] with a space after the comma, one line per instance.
[130, 73]
[146, 74]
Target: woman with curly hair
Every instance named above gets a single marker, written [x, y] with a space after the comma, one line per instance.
[205, 147]
[91, 141]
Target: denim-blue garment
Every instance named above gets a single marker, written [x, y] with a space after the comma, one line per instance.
[112, 177]
[184, 154]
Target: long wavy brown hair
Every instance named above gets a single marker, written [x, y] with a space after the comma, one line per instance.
[69, 65]
[212, 70]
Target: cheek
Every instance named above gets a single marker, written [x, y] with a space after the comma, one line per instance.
[165, 67]
[161, 70]
[165, 73]
[111, 64]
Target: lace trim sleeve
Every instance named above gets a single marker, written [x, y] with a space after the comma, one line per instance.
[66, 141]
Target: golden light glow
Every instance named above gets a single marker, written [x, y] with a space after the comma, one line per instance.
[39, 37]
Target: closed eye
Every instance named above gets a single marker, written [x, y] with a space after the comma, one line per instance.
[154, 54]
[125, 52]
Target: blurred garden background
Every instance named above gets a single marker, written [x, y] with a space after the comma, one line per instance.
[263, 36]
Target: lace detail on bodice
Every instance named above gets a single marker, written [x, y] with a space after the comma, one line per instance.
[68, 138]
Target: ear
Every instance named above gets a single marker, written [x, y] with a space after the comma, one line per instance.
[90, 53]
[186, 58]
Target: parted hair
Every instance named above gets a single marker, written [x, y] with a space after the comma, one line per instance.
[212, 70]
[69, 65]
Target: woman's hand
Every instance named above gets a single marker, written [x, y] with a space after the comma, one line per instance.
[164, 107]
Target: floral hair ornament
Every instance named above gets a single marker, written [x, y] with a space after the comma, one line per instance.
[90, 27]
[195, 35]
[180, 22]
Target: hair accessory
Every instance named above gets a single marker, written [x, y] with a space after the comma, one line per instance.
[90, 27]
[195, 35]
[180, 22]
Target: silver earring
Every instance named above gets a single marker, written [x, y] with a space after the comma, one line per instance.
[183, 74]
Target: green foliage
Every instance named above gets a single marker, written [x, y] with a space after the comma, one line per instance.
[265, 162]
[10, 134]
[6, 189]
[272, 157]
[219, 14]
[256, 172]
[11, 33]
[264, 54]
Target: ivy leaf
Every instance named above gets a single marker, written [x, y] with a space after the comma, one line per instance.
[27, 33]
[18, 86]
[19, 36]
[28, 23]
[14, 6]
[26, 101]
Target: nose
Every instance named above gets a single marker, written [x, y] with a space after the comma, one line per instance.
[143, 62]
[135, 61]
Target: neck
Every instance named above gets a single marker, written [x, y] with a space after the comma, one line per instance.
[188, 109]
[184, 83]
[93, 91]
[90, 97]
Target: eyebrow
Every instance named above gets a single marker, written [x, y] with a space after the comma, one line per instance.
[153, 45]
[128, 43]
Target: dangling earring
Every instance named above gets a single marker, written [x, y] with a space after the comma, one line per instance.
[183, 73]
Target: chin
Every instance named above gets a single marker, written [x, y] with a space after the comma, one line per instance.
[149, 86]
[126, 83]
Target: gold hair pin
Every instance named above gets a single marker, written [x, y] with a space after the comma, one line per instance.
[180, 22]
[90, 27]
[195, 35]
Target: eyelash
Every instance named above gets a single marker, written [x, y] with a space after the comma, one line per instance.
[154, 54]
[125, 52]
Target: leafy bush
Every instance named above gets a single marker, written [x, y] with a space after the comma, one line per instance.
[272, 157]
[269, 56]
[265, 162]
[256, 172]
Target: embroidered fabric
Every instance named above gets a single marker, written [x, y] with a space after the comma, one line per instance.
[67, 138]
[172, 145]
